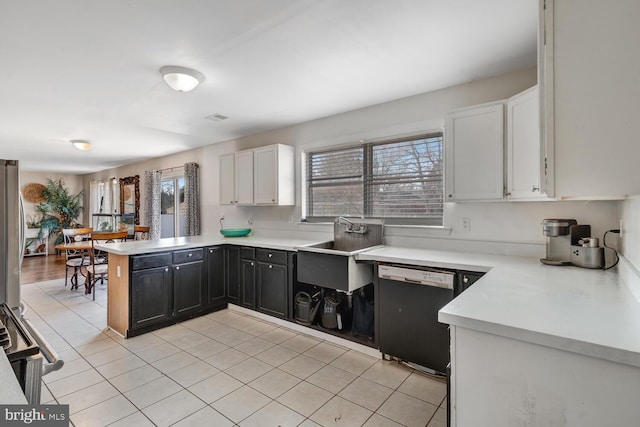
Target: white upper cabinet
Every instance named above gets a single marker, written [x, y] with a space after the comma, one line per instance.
[474, 153]
[523, 145]
[227, 179]
[236, 178]
[274, 172]
[244, 168]
[262, 176]
[592, 72]
[493, 154]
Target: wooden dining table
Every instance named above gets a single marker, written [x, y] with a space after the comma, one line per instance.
[80, 246]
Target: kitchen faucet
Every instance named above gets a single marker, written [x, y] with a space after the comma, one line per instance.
[352, 227]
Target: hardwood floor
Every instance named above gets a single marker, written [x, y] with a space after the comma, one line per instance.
[42, 268]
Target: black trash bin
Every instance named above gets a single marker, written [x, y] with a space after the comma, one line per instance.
[363, 313]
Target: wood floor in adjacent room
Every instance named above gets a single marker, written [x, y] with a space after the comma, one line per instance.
[42, 268]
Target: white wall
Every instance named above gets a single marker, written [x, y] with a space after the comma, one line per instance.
[72, 182]
[492, 224]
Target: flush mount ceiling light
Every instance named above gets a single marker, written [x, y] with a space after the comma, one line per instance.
[181, 79]
[81, 144]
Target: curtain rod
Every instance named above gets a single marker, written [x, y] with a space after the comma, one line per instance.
[171, 169]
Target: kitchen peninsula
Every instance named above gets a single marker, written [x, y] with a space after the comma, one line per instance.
[155, 283]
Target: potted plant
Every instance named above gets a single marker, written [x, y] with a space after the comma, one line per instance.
[59, 210]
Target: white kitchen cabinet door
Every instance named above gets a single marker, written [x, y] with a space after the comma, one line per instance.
[474, 153]
[523, 145]
[227, 179]
[274, 175]
[244, 177]
[595, 67]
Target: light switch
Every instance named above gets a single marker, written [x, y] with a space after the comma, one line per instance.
[117, 271]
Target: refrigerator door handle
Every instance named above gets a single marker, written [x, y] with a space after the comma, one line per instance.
[21, 233]
[55, 363]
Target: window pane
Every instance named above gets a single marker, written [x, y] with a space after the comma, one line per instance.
[334, 180]
[167, 208]
[346, 200]
[406, 179]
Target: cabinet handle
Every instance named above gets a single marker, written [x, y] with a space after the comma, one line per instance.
[273, 200]
[534, 188]
[177, 267]
[210, 251]
[507, 194]
[465, 279]
[252, 264]
[190, 255]
[450, 196]
[270, 266]
[270, 255]
[166, 269]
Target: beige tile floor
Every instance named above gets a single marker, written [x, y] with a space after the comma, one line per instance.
[223, 369]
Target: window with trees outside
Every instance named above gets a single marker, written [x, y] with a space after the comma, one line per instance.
[399, 180]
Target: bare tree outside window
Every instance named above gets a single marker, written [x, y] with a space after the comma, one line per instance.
[399, 180]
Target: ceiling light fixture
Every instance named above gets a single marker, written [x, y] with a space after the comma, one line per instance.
[181, 79]
[81, 144]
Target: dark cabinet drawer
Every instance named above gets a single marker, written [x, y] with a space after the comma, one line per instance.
[141, 262]
[247, 253]
[187, 255]
[271, 256]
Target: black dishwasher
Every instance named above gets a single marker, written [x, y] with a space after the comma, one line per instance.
[408, 299]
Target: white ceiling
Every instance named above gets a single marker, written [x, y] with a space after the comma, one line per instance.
[72, 69]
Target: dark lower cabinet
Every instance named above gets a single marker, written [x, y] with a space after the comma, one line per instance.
[188, 282]
[165, 287]
[274, 282]
[216, 277]
[248, 283]
[151, 296]
[232, 273]
[171, 286]
[272, 289]
[188, 288]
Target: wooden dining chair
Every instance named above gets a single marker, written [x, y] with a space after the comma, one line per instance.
[98, 262]
[75, 258]
[141, 232]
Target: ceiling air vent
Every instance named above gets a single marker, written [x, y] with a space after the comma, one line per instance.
[217, 117]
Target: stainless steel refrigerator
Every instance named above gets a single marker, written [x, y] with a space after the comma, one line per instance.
[11, 233]
[23, 345]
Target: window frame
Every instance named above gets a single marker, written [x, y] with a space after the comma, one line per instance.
[368, 180]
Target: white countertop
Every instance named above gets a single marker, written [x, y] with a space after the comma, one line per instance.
[148, 246]
[585, 311]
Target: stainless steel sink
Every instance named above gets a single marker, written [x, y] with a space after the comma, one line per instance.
[332, 264]
[335, 248]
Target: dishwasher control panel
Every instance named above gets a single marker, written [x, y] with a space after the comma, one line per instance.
[441, 279]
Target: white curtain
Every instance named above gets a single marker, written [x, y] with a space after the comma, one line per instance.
[152, 199]
[191, 200]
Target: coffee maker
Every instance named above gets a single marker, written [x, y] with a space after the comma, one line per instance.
[568, 243]
[561, 235]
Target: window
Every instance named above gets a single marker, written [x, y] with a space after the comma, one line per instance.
[399, 180]
[172, 225]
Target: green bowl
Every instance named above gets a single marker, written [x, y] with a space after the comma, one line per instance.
[235, 232]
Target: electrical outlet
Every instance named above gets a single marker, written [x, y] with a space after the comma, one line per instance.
[291, 219]
[465, 224]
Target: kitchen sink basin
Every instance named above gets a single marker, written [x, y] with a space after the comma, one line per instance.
[332, 264]
[336, 248]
